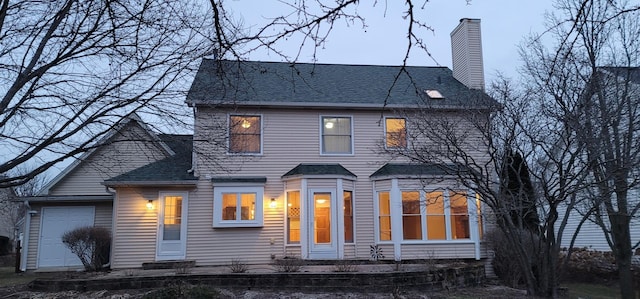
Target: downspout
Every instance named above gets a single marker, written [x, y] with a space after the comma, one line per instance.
[113, 225]
[24, 251]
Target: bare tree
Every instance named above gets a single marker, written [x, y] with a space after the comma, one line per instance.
[590, 79]
[479, 141]
[72, 69]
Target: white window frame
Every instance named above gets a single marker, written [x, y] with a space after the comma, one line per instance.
[286, 218]
[352, 148]
[406, 138]
[258, 220]
[229, 152]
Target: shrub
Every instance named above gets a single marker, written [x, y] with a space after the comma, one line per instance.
[504, 264]
[288, 264]
[345, 266]
[91, 244]
[237, 266]
[5, 245]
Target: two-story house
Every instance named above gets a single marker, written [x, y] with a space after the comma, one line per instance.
[292, 160]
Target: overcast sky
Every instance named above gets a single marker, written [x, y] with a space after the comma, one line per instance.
[504, 24]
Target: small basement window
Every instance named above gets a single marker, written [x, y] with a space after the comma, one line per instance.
[434, 94]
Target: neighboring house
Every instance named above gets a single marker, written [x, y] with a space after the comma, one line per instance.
[287, 161]
[619, 82]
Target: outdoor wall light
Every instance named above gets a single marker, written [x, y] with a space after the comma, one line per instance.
[273, 203]
[150, 204]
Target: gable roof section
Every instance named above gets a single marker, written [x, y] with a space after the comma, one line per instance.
[309, 169]
[104, 140]
[173, 170]
[278, 84]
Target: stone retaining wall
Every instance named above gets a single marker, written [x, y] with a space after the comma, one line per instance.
[469, 275]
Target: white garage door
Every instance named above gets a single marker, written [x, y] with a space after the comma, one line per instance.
[55, 222]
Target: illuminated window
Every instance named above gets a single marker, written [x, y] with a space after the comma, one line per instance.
[293, 217]
[348, 216]
[384, 216]
[443, 215]
[245, 134]
[479, 213]
[436, 223]
[336, 135]
[396, 133]
[238, 206]
[459, 215]
[172, 217]
[411, 217]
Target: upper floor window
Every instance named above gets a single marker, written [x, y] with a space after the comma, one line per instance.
[245, 134]
[336, 135]
[395, 133]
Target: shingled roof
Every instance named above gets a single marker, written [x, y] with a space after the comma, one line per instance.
[170, 170]
[223, 82]
[417, 170]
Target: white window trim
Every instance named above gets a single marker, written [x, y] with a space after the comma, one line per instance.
[259, 209]
[229, 115]
[406, 137]
[321, 127]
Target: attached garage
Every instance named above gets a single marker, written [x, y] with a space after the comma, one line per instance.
[55, 221]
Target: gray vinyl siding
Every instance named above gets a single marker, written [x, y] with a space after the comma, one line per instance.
[120, 155]
[283, 149]
[456, 250]
[134, 233]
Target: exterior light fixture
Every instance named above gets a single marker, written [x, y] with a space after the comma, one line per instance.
[150, 204]
[273, 203]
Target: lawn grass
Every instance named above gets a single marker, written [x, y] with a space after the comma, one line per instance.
[8, 277]
[592, 291]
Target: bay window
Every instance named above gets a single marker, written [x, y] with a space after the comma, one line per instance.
[427, 216]
[384, 216]
[293, 217]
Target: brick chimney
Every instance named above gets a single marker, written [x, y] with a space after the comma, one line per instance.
[466, 50]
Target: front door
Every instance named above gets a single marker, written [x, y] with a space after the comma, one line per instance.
[172, 224]
[323, 226]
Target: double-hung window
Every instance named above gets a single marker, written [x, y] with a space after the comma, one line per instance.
[245, 134]
[384, 216]
[395, 133]
[238, 206]
[337, 135]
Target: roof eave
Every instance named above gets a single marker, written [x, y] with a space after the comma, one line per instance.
[182, 183]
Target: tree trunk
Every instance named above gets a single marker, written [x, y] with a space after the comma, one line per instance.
[622, 251]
